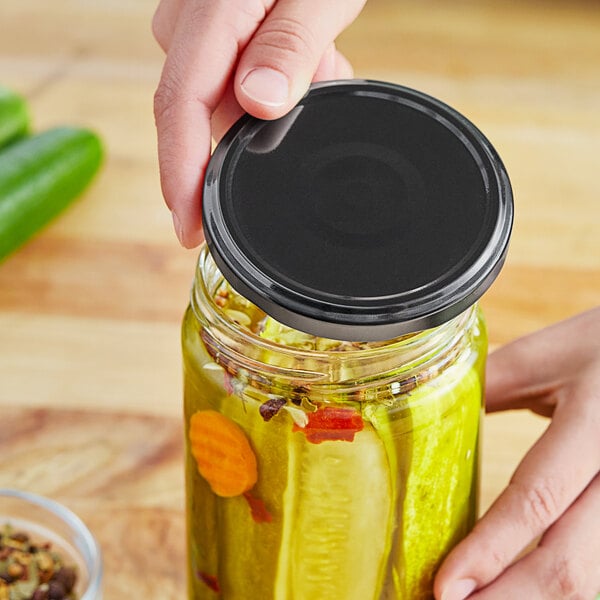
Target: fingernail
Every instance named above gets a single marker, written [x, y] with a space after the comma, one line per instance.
[178, 227]
[266, 86]
[459, 590]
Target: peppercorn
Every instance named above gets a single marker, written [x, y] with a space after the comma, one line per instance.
[15, 570]
[41, 593]
[66, 576]
[56, 591]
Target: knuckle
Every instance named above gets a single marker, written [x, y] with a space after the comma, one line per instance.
[236, 17]
[288, 37]
[166, 99]
[160, 26]
[253, 11]
[567, 577]
[493, 560]
[162, 101]
[541, 501]
[157, 26]
[542, 504]
[498, 560]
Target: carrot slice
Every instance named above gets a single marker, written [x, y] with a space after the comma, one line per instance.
[223, 453]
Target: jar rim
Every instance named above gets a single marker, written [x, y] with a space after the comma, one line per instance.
[206, 310]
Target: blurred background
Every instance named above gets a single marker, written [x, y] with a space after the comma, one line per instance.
[90, 383]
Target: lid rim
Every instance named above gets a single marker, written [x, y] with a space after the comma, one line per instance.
[412, 310]
[349, 325]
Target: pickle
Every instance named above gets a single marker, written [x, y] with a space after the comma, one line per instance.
[439, 505]
[336, 499]
[393, 435]
[337, 494]
[230, 552]
[199, 393]
[292, 338]
[429, 435]
[247, 541]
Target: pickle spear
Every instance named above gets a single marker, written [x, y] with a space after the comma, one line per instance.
[336, 510]
[200, 393]
[337, 501]
[251, 525]
[439, 502]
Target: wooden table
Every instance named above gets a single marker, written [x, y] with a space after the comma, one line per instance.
[90, 389]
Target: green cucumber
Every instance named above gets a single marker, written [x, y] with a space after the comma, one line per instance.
[14, 117]
[39, 177]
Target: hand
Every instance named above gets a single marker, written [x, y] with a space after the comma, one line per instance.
[555, 491]
[225, 57]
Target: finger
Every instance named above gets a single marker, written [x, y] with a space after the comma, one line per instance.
[280, 61]
[550, 477]
[564, 565]
[333, 65]
[226, 114]
[343, 68]
[533, 367]
[201, 58]
[326, 68]
[164, 21]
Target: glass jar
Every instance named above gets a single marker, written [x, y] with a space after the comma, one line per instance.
[324, 470]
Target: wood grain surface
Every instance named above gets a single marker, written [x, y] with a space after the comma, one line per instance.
[121, 473]
[90, 389]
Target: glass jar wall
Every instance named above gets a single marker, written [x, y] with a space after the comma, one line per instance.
[319, 469]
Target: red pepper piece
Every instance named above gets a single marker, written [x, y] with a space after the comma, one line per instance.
[332, 423]
[210, 580]
[259, 511]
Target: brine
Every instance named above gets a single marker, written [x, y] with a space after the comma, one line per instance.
[322, 469]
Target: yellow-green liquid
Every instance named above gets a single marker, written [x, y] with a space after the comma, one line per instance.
[368, 519]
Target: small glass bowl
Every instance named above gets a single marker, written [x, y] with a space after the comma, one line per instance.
[48, 521]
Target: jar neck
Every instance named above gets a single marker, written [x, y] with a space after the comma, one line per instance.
[245, 354]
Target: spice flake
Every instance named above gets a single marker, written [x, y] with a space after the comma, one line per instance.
[271, 407]
[210, 581]
[258, 509]
[332, 423]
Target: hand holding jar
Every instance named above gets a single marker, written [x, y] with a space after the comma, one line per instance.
[555, 492]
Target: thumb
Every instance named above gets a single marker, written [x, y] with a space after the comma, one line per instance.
[280, 60]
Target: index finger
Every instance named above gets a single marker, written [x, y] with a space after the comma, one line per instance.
[530, 369]
[200, 61]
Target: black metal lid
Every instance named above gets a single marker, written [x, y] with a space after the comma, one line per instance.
[369, 211]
